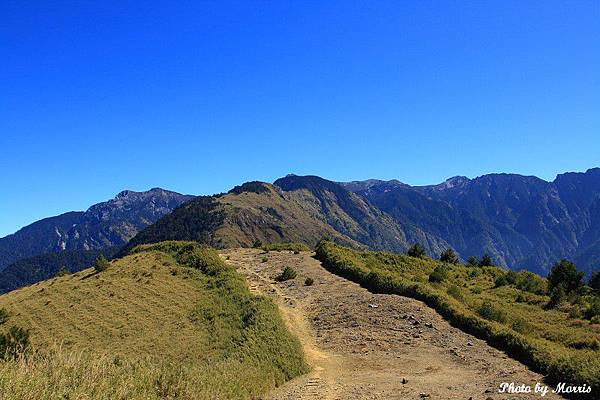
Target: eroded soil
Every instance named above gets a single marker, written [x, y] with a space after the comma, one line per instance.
[362, 345]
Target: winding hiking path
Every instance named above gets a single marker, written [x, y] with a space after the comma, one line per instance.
[362, 345]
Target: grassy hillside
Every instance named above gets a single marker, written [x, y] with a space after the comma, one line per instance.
[170, 320]
[301, 209]
[510, 316]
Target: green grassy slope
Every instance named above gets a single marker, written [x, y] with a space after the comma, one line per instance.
[170, 320]
[552, 341]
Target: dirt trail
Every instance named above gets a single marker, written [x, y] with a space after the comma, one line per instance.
[371, 346]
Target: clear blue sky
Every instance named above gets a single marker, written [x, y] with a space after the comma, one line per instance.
[199, 96]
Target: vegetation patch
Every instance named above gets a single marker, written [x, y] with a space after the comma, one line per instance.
[287, 274]
[295, 247]
[138, 330]
[485, 304]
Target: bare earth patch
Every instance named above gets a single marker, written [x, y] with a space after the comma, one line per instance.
[362, 345]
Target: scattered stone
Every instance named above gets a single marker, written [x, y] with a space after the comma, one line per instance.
[469, 343]
[404, 381]
[373, 305]
[429, 325]
[424, 395]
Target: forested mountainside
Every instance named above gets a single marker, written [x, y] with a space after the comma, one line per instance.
[108, 224]
[521, 221]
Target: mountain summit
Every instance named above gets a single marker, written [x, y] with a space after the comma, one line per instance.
[107, 224]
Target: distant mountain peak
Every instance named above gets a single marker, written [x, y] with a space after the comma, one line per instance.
[455, 181]
[358, 186]
[251, 187]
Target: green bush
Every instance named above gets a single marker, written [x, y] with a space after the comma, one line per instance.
[309, 281]
[264, 259]
[593, 309]
[63, 271]
[14, 343]
[486, 261]
[449, 256]
[564, 273]
[3, 315]
[416, 250]
[101, 263]
[455, 292]
[522, 326]
[257, 244]
[509, 278]
[558, 295]
[472, 262]
[490, 312]
[287, 274]
[439, 274]
[530, 282]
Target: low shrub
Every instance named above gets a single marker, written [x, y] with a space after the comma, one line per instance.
[3, 315]
[593, 308]
[490, 312]
[439, 274]
[64, 271]
[416, 250]
[455, 292]
[14, 343]
[309, 281]
[287, 274]
[101, 263]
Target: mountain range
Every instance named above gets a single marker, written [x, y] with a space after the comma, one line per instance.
[72, 239]
[522, 222]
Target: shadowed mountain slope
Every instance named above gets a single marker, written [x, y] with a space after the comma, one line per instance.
[522, 221]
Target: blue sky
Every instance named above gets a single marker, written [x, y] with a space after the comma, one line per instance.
[199, 96]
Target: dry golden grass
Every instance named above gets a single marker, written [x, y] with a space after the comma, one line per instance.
[136, 306]
[264, 216]
[168, 321]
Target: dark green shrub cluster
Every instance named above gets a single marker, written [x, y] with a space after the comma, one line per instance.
[101, 263]
[490, 312]
[309, 281]
[287, 274]
[564, 274]
[449, 256]
[14, 343]
[486, 261]
[523, 280]
[593, 308]
[439, 274]
[63, 271]
[416, 250]
[472, 262]
[3, 315]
